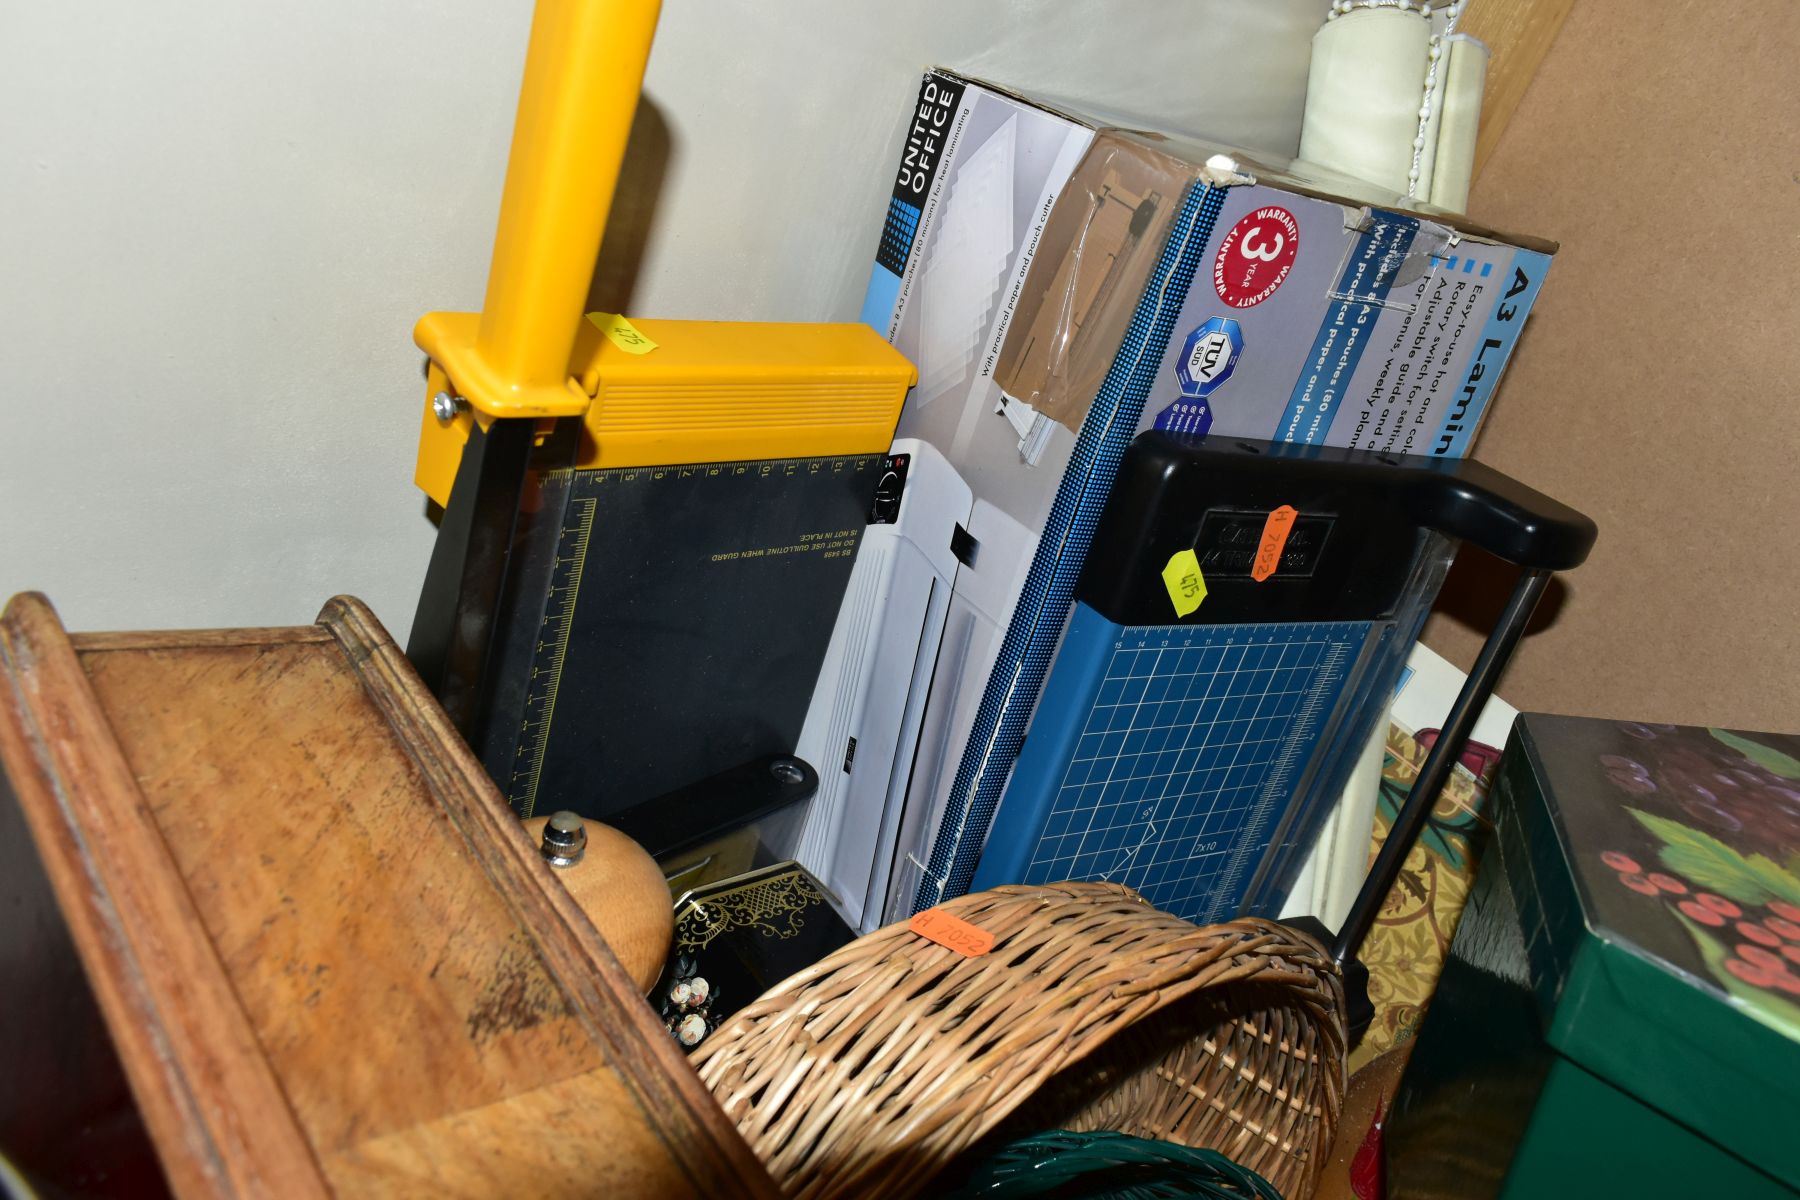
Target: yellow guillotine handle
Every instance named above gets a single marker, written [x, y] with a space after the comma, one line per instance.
[584, 69]
[659, 393]
[494, 374]
[686, 391]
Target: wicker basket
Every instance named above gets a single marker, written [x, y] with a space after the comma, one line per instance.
[870, 1072]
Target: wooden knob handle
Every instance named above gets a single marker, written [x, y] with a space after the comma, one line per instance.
[622, 891]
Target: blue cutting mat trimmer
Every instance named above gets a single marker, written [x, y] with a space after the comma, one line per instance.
[1192, 753]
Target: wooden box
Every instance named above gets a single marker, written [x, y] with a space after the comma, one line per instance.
[268, 930]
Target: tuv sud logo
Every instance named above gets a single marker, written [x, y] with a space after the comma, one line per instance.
[1206, 361]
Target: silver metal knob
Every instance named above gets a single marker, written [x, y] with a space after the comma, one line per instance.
[565, 839]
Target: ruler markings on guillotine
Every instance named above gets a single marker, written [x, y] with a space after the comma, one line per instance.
[549, 654]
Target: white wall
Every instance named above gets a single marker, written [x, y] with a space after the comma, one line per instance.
[218, 222]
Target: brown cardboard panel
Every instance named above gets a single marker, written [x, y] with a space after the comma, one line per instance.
[1657, 386]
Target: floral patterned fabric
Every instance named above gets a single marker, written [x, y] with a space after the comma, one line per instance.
[1405, 951]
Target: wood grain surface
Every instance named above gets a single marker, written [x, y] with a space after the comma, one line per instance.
[610, 1008]
[623, 892]
[213, 1106]
[67, 1118]
[1518, 34]
[329, 957]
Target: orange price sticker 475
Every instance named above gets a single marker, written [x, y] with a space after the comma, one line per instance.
[952, 933]
[1274, 540]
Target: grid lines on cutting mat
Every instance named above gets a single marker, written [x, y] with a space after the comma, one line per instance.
[1182, 756]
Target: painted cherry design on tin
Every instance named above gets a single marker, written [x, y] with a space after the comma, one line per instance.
[1719, 904]
[1757, 956]
[1757, 934]
[1750, 972]
[1726, 808]
[1695, 911]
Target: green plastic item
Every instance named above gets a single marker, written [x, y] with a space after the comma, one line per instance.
[1618, 1014]
[1109, 1166]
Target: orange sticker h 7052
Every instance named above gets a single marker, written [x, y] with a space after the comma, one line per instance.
[1274, 540]
[952, 933]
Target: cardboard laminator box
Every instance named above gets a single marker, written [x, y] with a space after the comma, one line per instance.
[1064, 281]
[1020, 236]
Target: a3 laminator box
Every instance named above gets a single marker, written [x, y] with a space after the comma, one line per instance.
[1063, 282]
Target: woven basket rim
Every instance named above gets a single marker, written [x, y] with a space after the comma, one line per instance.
[829, 1064]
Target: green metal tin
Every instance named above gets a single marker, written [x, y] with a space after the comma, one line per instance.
[1591, 1027]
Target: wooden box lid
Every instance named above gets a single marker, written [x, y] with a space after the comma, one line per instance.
[329, 959]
